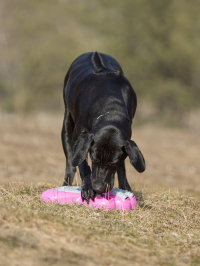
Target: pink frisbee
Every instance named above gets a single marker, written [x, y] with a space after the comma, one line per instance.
[115, 199]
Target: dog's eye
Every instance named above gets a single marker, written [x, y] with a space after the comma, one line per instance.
[96, 161]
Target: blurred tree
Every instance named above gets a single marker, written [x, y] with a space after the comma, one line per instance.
[162, 53]
[156, 42]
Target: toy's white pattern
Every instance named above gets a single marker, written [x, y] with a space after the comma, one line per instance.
[72, 189]
[121, 193]
[115, 191]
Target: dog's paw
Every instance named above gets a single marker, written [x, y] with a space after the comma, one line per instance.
[87, 193]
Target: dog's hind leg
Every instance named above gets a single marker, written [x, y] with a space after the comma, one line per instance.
[66, 135]
[123, 182]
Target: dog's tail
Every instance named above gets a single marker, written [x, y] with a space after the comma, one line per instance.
[99, 65]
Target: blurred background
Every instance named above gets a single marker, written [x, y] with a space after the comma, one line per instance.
[156, 42]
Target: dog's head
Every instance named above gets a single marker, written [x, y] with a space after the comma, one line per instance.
[108, 149]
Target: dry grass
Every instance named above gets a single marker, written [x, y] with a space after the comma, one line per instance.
[163, 230]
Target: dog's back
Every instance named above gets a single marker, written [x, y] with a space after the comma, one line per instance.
[94, 84]
[89, 63]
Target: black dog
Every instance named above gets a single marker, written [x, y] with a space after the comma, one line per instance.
[99, 107]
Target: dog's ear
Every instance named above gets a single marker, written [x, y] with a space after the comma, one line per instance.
[81, 148]
[135, 156]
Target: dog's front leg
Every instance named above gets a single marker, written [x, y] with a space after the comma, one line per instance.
[123, 182]
[85, 172]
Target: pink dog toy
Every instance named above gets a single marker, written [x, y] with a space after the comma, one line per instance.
[115, 199]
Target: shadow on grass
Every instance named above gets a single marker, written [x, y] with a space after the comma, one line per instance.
[140, 200]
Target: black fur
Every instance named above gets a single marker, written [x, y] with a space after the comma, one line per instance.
[99, 107]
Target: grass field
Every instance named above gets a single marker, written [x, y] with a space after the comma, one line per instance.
[163, 230]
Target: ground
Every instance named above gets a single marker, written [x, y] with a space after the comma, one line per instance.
[163, 230]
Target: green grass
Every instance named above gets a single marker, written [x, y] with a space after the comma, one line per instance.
[163, 230]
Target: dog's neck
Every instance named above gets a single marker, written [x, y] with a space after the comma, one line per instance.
[118, 123]
[122, 122]
[102, 115]
[110, 112]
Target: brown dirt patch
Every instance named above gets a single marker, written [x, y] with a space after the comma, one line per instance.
[31, 151]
